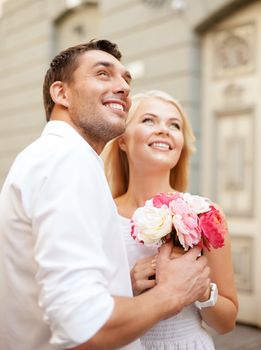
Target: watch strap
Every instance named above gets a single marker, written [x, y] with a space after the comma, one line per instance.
[212, 298]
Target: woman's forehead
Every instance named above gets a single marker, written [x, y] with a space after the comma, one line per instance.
[158, 106]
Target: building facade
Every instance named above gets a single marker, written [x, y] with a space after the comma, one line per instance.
[205, 53]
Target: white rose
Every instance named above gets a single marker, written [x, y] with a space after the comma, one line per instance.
[151, 224]
[197, 203]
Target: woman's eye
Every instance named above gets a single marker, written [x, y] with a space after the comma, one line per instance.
[175, 126]
[148, 121]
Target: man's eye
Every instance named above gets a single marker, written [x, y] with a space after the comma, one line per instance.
[103, 73]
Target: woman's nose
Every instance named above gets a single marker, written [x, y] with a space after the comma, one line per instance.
[162, 128]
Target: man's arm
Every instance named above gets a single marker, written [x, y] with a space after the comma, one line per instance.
[73, 270]
[179, 283]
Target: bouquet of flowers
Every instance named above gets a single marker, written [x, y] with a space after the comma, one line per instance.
[189, 220]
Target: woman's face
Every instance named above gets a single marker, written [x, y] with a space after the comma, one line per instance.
[154, 137]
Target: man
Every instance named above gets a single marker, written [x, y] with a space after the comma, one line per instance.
[66, 277]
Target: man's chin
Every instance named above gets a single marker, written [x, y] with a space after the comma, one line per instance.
[116, 130]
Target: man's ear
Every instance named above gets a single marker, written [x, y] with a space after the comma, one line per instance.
[59, 94]
[122, 144]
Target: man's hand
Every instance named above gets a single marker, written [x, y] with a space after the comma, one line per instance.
[184, 278]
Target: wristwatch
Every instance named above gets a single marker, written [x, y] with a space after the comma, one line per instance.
[212, 298]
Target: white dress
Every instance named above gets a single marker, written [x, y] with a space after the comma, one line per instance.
[181, 332]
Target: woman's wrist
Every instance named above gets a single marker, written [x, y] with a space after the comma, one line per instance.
[212, 299]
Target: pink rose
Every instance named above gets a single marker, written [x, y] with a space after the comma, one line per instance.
[186, 223]
[197, 203]
[188, 231]
[213, 228]
[163, 198]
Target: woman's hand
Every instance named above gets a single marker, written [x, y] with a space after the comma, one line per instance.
[143, 272]
[140, 274]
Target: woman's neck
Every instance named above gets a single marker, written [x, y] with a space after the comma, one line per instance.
[141, 188]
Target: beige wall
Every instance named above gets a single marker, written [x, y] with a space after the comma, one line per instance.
[27, 43]
[160, 39]
[24, 39]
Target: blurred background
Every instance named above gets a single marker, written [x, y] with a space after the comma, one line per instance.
[206, 53]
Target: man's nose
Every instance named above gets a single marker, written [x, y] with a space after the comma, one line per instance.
[122, 87]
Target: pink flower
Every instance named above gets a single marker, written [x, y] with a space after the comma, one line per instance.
[188, 219]
[186, 223]
[213, 228]
[163, 198]
[197, 203]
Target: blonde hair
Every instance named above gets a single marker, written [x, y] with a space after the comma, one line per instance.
[116, 162]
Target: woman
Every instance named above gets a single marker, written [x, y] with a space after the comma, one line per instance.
[153, 156]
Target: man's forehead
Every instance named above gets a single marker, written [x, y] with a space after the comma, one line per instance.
[95, 56]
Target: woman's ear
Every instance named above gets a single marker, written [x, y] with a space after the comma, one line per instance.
[59, 94]
[122, 144]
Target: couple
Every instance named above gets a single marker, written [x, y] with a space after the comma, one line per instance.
[66, 274]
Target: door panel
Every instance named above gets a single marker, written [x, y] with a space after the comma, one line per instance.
[231, 129]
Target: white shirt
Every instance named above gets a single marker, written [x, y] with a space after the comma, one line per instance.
[62, 252]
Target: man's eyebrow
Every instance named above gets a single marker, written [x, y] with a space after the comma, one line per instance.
[103, 63]
[111, 65]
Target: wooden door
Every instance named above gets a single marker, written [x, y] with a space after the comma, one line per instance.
[231, 143]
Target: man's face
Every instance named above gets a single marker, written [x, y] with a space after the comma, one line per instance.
[98, 98]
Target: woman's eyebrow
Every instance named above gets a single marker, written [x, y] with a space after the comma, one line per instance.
[149, 113]
[175, 119]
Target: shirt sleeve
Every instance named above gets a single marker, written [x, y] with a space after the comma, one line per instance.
[73, 270]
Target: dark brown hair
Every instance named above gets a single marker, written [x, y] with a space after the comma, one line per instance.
[66, 62]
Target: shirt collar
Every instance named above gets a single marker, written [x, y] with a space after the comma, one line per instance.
[63, 129]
